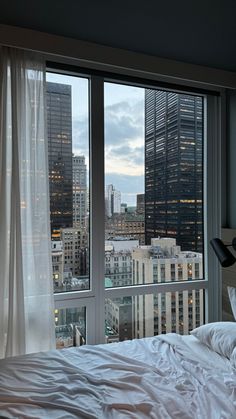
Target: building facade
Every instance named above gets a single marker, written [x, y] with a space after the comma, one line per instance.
[118, 261]
[173, 168]
[75, 246]
[179, 312]
[59, 124]
[79, 192]
[112, 201]
[140, 205]
[127, 225]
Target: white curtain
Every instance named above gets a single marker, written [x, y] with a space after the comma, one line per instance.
[26, 294]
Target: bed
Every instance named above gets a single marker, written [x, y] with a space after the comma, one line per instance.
[166, 376]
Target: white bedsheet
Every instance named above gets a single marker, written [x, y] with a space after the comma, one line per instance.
[161, 377]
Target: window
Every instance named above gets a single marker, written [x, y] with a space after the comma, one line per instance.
[148, 276]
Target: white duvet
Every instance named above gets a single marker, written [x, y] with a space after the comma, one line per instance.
[168, 376]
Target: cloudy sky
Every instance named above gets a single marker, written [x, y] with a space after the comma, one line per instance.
[124, 132]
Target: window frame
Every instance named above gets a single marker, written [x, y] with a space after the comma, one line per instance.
[94, 298]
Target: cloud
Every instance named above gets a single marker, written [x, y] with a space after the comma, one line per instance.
[124, 122]
[124, 138]
[80, 136]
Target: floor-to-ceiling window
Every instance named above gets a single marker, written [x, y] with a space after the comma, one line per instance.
[128, 204]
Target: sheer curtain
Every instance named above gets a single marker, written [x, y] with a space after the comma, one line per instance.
[26, 294]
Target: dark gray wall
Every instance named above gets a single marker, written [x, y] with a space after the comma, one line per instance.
[231, 160]
[200, 32]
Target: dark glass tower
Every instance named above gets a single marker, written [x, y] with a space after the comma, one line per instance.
[59, 121]
[174, 168]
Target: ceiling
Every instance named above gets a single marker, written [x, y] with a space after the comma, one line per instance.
[194, 31]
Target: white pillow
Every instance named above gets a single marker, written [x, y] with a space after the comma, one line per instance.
[232, 299]
[219, 336]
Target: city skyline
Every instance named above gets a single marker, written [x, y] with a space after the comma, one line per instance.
[124, 132]
[168, 150]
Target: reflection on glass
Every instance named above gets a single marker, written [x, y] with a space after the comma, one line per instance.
[70, 327]
[68, 153]
[153, 314]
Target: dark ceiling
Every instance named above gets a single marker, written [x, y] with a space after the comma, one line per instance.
[194, 31]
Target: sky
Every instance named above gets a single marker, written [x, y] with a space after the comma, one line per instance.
[124, 132]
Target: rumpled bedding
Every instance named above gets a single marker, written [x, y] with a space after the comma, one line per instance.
[167, 376]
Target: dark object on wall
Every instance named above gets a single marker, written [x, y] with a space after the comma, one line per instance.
[226, 258]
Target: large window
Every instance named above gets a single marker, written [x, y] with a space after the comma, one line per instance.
[127, 178]
[68, 158]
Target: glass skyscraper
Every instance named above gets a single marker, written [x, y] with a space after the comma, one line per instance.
[174, 168]
[59, 123]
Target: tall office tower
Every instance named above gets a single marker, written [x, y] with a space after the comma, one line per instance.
[59, 123]
[112, 201]
[173, 168]
[79, 191]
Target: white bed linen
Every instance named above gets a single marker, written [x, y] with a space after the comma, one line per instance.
[168, 376]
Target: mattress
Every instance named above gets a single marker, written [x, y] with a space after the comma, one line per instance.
[167, 376]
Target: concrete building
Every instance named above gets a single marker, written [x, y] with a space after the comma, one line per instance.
[179, 312]
[70, 327]
[57, 263]
[112, 201]
[118, 261]
[128, 225]
[75, 245]
[119, 319]
[79, 191]
[140, 204]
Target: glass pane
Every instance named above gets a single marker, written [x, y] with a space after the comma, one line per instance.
[153, 314]
[153, 186]
[68, 152]
[70, 327]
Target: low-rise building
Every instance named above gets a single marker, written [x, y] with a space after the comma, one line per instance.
[57, 263]
[163, 261]
[127, 225]
[118, 261]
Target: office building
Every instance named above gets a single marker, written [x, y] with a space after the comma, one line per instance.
[125, 225]
[75, 245]
[174, 168]
[79, 191]
[180, 312]
[59, 124]
[112, 201]
[140, 205]
[118, 261]
[57, 264]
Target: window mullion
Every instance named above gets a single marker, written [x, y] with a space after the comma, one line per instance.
[212, 199]
[163, 287]
[97, 204]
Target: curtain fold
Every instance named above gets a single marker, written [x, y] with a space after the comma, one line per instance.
[26, 291]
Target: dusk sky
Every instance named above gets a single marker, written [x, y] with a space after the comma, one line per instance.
[124, 132]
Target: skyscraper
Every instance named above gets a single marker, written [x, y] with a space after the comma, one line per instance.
[113, 201]
[79, 191]
[59, 122]
[173, 168]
